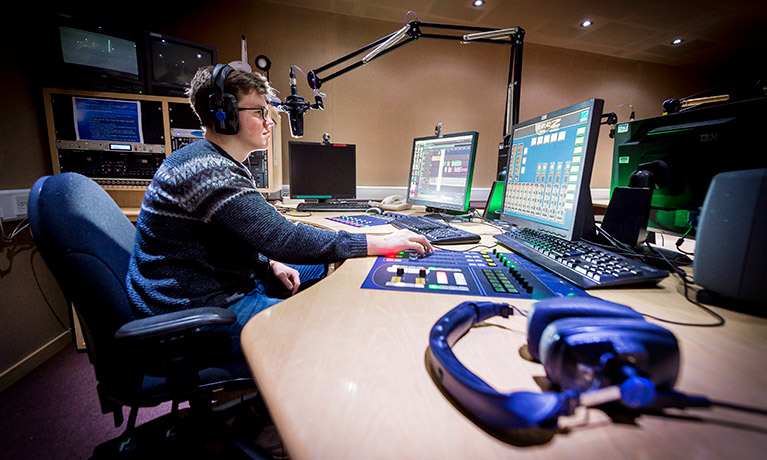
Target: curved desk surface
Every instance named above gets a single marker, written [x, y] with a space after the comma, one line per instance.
[343, 373]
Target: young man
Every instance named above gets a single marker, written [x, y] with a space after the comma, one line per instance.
[205, 235]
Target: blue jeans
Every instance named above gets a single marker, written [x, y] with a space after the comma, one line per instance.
[268, 292]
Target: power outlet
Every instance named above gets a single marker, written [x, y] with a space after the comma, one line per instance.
[13, 204]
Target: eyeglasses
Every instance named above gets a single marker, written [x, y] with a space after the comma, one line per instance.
[263, 111]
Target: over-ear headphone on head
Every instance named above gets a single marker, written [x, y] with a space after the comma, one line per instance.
[593, 350]
[222, 106]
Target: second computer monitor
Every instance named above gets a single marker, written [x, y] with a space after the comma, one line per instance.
[441, 171]
[549, 171]
[322, 171]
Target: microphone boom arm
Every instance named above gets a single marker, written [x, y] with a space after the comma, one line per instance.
[413, 30]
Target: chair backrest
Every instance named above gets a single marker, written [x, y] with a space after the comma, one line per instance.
[86, 241]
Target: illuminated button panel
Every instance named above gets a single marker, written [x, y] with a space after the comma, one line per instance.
[484, 273]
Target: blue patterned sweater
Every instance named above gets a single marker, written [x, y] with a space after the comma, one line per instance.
[204, 234]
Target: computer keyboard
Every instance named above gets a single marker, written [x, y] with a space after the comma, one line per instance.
[436, 231]
[584, 264]
[334, 206]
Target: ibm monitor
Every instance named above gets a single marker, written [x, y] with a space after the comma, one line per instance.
[549, 171]
[694, 146]
[441, 171]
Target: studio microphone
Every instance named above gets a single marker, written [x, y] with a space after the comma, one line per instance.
[294, 106]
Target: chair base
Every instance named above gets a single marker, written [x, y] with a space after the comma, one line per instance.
[228, 431]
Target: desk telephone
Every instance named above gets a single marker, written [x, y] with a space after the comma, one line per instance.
[392, 203]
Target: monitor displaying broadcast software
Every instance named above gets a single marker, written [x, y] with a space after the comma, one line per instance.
[549, 171]
[441, 171]
[322, 171]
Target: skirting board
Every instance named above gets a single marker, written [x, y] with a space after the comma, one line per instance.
[37, 357]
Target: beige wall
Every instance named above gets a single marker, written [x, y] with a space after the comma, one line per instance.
[380, 107]
[383, 105]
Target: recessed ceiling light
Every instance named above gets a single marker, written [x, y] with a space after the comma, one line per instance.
[677, 41]
[478, 2]
[587, 23]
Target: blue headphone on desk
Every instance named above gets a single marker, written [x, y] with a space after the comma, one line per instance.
[593, 350]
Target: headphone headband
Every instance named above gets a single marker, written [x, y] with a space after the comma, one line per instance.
[507, 411]
[621, 350]
[218, 80]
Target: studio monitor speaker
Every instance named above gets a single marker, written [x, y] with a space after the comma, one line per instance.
[731, 241]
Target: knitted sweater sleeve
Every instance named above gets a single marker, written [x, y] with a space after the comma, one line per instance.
[230, 202]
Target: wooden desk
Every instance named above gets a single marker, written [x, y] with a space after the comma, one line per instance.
[343, 372]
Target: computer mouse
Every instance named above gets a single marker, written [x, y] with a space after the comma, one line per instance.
[374, 210]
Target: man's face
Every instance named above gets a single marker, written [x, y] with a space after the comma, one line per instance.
[255, 131]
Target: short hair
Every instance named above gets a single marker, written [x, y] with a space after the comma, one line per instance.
[238, 83]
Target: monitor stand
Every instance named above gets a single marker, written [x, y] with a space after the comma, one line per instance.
[449, 215]
[677, 258]
[626, 221]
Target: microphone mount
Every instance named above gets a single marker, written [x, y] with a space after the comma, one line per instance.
[295, 106]
[413, 30]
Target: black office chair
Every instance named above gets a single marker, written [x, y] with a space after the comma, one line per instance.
[86, 241]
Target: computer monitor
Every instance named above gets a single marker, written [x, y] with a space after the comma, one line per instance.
[116, 121]
[441, 170]
[94, 57]
[494, 204]
[171, 63]
[117, 138]
[322, 171]
[694, 145]
[549, 171]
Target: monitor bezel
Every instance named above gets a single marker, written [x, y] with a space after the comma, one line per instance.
[320, 197]
[582, 225]
[95, 78]
[472, 160]
[167, 88]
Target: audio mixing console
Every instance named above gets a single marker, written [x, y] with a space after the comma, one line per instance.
[476, 273]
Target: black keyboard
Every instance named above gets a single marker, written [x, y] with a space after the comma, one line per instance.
[584, 264]
[334, 206]
[435, 231]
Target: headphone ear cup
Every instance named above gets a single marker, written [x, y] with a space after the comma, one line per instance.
[573, 351]
[224, 114]
[222, 106]
[542, 313]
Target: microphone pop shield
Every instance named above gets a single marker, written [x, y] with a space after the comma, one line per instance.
[296, 122]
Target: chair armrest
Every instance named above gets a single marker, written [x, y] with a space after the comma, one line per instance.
[175, 324]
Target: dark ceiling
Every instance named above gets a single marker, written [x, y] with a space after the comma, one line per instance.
[716, 33]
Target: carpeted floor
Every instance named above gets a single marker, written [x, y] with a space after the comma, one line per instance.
[53, 412]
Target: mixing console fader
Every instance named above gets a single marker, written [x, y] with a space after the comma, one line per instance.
[476, 273]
